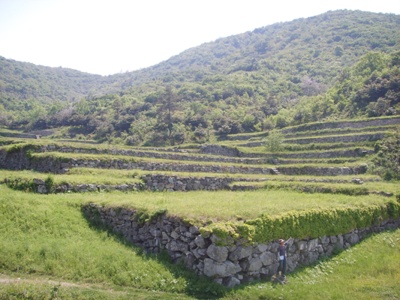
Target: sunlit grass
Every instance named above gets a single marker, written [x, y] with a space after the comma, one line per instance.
[102, 176]
[368, 271]
[109, 157]
[78, 176]
[202, 206]
[367, 186]
[48, 236]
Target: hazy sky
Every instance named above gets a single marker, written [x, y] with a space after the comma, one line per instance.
[110, 36]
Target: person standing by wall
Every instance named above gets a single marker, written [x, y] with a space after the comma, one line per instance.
[282, 258]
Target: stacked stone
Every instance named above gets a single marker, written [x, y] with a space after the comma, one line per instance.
[229, 265]
[19, 161]
[176, 183]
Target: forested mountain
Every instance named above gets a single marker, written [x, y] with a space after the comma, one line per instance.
[332, 65]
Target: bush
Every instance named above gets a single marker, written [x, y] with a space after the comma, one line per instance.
[49, 183]
[273, 143]
[20, 184]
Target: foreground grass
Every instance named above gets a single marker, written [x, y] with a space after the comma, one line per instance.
[36, 287]
[368, 271]
[48, 236]
[46, 241]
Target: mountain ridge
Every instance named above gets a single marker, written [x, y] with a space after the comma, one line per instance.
[230, 85]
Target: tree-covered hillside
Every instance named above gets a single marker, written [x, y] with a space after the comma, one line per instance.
[275, 76]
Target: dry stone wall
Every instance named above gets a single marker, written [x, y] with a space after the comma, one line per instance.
[19, 161]
[338, 139]
[329, 139]
[150, 182]
[228, 265]
[176, 183]
[355, 124]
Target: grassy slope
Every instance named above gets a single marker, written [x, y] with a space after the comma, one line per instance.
[369, 270]
[46, 238]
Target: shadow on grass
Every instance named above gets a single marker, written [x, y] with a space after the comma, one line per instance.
[303, 277]
[200, 287]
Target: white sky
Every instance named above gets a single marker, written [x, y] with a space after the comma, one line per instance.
[111, 36]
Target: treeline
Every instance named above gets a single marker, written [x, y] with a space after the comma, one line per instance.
[371, 88]
[275, 76]
[170, 115]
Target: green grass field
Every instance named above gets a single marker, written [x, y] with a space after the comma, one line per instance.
[49, 250]
[48, 244]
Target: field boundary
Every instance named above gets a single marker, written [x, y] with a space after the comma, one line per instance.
[227, 260]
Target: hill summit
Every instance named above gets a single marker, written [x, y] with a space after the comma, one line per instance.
[329, 66]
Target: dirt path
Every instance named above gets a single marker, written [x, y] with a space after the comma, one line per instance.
[9, 280]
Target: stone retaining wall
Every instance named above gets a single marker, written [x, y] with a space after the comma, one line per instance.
[354, 124]
[217, 154]
[19, 161]
[328, 139]
[227, 265]
[176, 183]
[149, 182]
[338, 139]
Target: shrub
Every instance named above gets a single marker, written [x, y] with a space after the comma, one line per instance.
[20, 184]
[273, 143]
[143, 215]
[49, 183]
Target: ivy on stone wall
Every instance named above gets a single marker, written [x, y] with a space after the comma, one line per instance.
[305, 224]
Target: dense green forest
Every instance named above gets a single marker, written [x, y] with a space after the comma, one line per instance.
[340, 64]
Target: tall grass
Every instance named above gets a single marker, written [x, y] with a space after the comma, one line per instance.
[368, 271]
[206, 206]
[48, 236]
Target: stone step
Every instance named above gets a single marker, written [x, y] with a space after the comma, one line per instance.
[275, 171]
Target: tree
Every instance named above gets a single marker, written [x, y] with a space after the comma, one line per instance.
[273, 142]
[167, 104]
[387, 160]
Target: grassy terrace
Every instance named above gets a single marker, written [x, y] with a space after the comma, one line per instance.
[295, 148]
[334, 136]
[347, 130]
[336, 184]
[312, 133]
[352, 123]
[258, 153]
[47, 243]
[109, 157]
[48, 250]
[256, 150]
[325, 187]
[78, 176]
[116, 176]
[202, 207]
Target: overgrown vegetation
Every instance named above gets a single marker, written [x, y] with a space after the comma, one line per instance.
[303, 95]
[47, 238]
[285, 74]
[387, 161]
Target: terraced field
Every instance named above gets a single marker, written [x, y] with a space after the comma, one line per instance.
[224, 195]
[329, 154]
